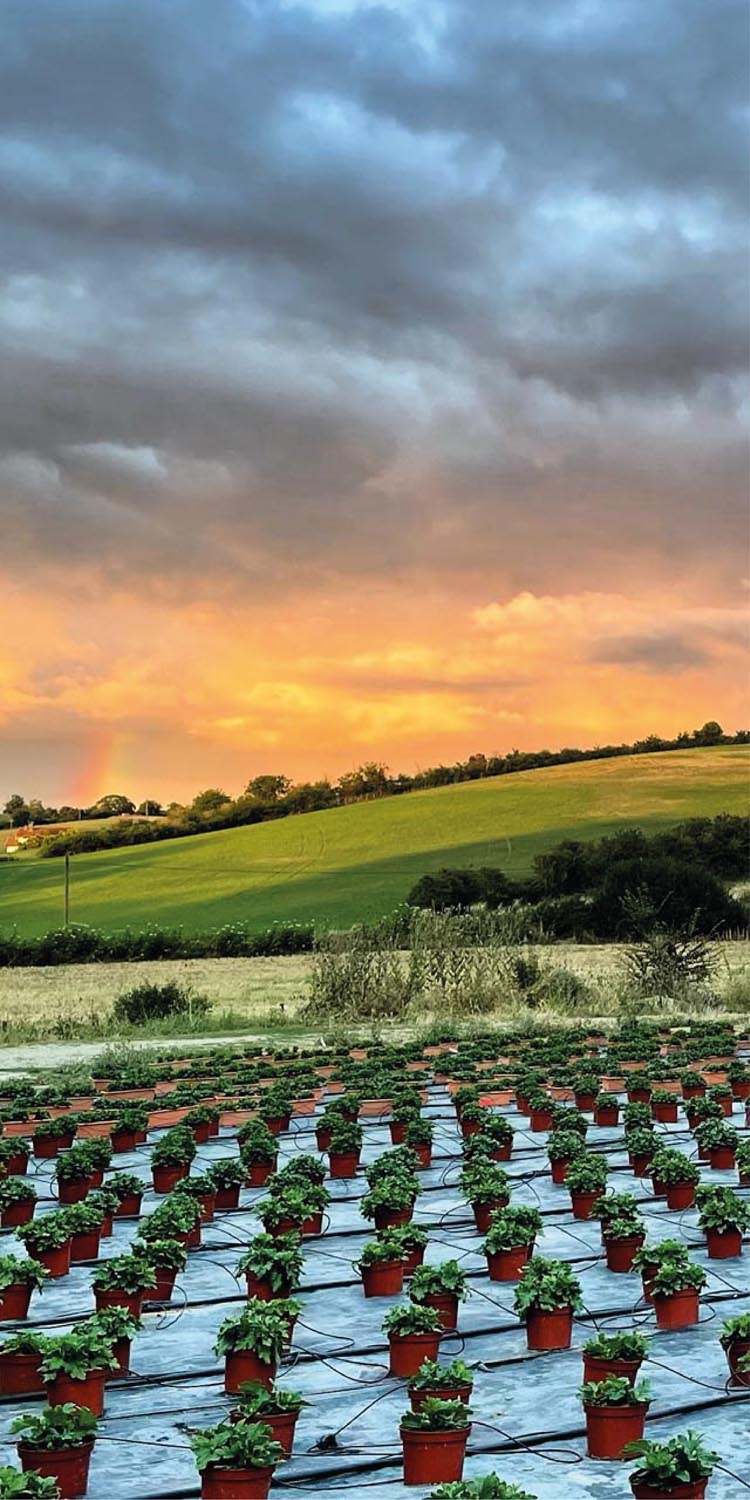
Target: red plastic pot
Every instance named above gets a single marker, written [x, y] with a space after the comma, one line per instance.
[235, 1484]
[541, 1119]
[601, 1369]
[693, 1490]
[122, 1140]
[433, 1457]
[278, 1123]
[398, 1132]
[385, 1278]
[620, 1253]
[424, 1156]
[469, 1127]
[69, 1466]
[609, 1428]
[106, 1229]
[165, 1280]
[45, 1147]
[115, 1297]
[393, 1218]
[201, 1132]
[14, 1302]
[483, 1212]
[285, 1226]
[680, 1195]
[665, 1111]
[460, 1392]
[411, 1261]
[85, 1246]
[323, 1137]
[407, 1353]
[737, 1350]
[242, 1365]
[549, 1330]
[723, 1244]
[19, 1374]
[722, 1158]
[640, 1162]
[166, 1178]
[343, 1163]
[57, 1261]
[583, 1202]
[262, 1290]
[129, 1207]
[16, 1166]
[258, 1172]
[445, 1304]
[507, 1265]
[606, 1115]
[87, 1392]
[121, 1351]
[639, 1096]
[659, 1187]
[678, 1310]
[282, 1425]
[559, 1170]
[741, 1088]
[585, 1102]
[313, 1225]
[17, 1213]
[693, 1090]
[228, 1197]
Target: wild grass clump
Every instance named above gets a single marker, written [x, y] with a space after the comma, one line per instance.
[147, 1002]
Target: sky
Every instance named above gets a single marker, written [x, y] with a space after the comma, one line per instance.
[373, 383]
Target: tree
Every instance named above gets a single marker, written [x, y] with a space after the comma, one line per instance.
[210, 801]
[150, 808]
[637, 896]
[267, 788]
[710, 734]
[112, 806]
[17, 809]
[368, 780]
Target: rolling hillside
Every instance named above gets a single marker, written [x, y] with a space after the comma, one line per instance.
[358, 862]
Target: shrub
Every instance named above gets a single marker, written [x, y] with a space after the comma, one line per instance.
[156, 1002]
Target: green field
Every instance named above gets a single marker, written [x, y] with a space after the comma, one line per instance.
[358, 862]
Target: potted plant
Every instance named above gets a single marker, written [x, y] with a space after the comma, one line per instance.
[541, 1111]
[74, 1173]
[171, 1158]
[441, 1287]
[412, 1242]
[21, 1358]
[487, 1188]
[616, 1354]
[85, 1224]
[199, 1121]
[272, 1266]
[203, 1192]
[623, 1235]
[414, 1333]
[120, 1327]
[615, 1414]
[345, 1148]
[75, 1366]
[453, 1382]
[14, 1156]
[381, 1266]
[650, 1258]
[509, 1242]
[48, 1240]
[586, 1090]
[18, 1279]
[738, 1074]
[563, 1147]
[606, 1110]
[489, 1487]
[724, 1218]
[418, 1136]
[236, 1460]
[472, 1118]
[275, 1111]
[31, 1486]
[278, 1408]
[720, 1142]
[664, 1107]
[52, 1136]
[494, 1140]
[123, 1282]
[742, 1162]
[680, 1467]
[298, 1209]
[693, 1085]
[17, 1201]
[735, 1341]
[675, 1293]
[129, 1190]
[132, 1122]
[167, 1257]
[434, 1441]
[390, 1202]
[177, 1218]
[104, 1199]
[586, 1179]
[678, 1176]
[546, 1297]
[227, 1177]
[642, 1146]
[57, 1444]
[253, 1341]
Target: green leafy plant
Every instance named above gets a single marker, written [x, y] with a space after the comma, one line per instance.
[677, 1276]
[15, 1271]
[484, 1182]
[681, 1460]
[261, 1329]
[176, 1148]
[411, 1318]
[563, 1145]
[616, 1390]
[720, 1208]
[587, 1173]
[512, 1227]
[50, 1232]
[489, 1487]
[227, 1173]
[125, 1185]
[125, 1273]
[31, 1486]
[734, 1330]
[397, 1193]
[546, 1286]
[384, 1249]
[447, 1279]
[84, 1217]
[617, 1346]
[257, 1401]
[278, 1261]
[712, 1135]
[24, 1342]
[116, 1323]
[77, 1354]
[670, 1166]
[659, 1254]
[236, 1445]
[400, 1164]
[432, 1376]
[163, 1255]
[435, 1415]
[346, 1137]
[16, 1190]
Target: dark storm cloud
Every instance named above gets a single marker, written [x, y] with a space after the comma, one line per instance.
[660, 652]
[372, 287]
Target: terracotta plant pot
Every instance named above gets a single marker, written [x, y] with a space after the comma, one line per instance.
[678, 1310]
[424, 1157]
[242, 1365]
[665, 1111]
[601, 1369]
[549, 1330]
[398, 1132]
[433, 1457]
[640, 1162]
[166, 1178]
[609, 1428]
[607, 1115]
[559, 1170]
[44, 1148]
[69, 1466]
[14, 1302]
[721, 1158]
[16, 1166]
[258, 1172]
[129, 1207]
[469, 1127]
[343, 1163]
[17, 1213]
[583, 1202]
[282, 1425]
[541, 1119]
[121, 1351]
[57, 1261]
[393, 1218]
[262, 1290]
[235, 1484]
[585, 1102]
[323, 1138]
[165, 1280]
[313, 1225]
[723, 1244]
[123, 1140]
[385, 1278]
[87, 1392]
[445, 1304]
[680, 1195]
[620, 1253]
[201, 1132]
[483, 1212]
[639, 1096]
[74, 1192]
[84, 1247]
[460, 1392]
[228, 1197]
[507, 1265]
[411, 1261]
[693, 1490]
[115, 1297]
[659, 1187]
[408, 1353]
[19, 1375]
[693, 1090]
[278, 1123]
[736, 1351]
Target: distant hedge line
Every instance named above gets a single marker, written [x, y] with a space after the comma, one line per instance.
[86, 945]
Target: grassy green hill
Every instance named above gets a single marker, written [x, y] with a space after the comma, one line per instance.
[358, 862]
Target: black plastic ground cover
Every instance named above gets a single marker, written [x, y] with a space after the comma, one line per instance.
[528, 1423]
